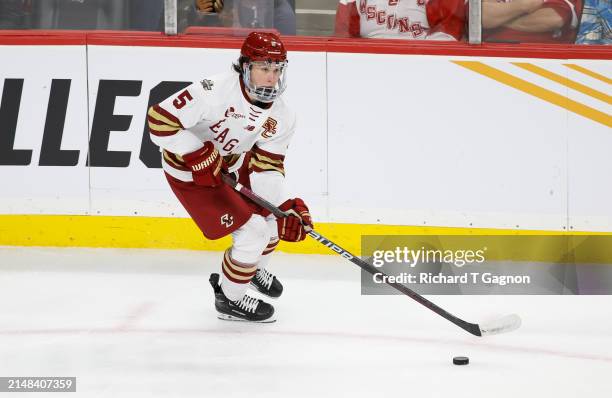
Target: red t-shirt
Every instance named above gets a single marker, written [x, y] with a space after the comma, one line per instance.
[569, 10]
[401, 19]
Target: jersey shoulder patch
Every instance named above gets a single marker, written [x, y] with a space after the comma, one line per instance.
[207, 84]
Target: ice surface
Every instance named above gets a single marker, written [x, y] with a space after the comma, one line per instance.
[141, 323]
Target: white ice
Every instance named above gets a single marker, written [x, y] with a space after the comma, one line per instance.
[141, 323]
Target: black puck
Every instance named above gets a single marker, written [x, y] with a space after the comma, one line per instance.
[461, 360]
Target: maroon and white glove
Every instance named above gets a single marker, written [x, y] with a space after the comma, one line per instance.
[205, 164]
[291, 228]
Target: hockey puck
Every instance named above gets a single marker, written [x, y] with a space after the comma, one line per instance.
[461, 360]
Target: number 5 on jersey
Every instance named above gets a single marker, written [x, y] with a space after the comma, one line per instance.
[182, 99]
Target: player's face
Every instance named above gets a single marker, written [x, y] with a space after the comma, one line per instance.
[264, 74]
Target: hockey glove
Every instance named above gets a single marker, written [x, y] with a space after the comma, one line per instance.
[291, 228]
[205, 164]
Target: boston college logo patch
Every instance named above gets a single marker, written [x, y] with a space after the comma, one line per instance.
[227, 220]
[269, 127]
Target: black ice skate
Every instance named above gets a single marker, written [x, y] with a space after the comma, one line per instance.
[248, 309]
[267, 283]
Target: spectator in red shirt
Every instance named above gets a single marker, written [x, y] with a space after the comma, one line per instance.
[530, 21]
[401, 19]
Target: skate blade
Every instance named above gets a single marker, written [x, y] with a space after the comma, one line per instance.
[226, 317]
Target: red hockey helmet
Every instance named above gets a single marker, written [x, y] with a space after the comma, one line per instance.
[263, 46]
[266, 50]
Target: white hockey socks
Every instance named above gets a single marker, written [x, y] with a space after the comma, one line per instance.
[236, 277]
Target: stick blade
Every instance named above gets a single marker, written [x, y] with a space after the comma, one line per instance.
[502, 325]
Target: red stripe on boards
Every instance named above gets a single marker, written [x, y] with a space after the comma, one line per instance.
[308, 44]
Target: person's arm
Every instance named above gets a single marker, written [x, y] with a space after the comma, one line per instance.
[284, 18]
[169, 123]
[544, 20]
[347, 19]
[496, 14]
[446, 19]
[170, 120]
[267, 180]
[268, 161]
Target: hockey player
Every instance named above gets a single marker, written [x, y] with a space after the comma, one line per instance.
[401, 19]
[235, 123]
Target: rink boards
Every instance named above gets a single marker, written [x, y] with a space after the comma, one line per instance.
[384, 141]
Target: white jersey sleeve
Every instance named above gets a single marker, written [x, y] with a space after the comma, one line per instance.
[268, 154]
[170, 120]
[268, 157]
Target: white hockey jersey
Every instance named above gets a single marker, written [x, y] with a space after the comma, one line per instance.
[401, 19]
[217, 109]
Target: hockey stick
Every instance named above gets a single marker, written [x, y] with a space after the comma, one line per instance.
[502, 325]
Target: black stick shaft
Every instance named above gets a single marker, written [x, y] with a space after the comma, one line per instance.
[467, 326]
